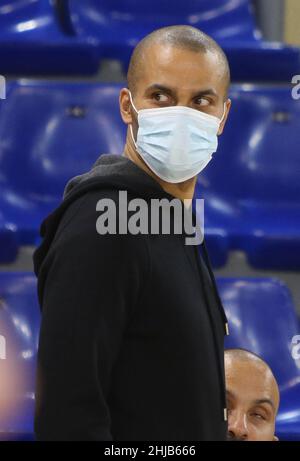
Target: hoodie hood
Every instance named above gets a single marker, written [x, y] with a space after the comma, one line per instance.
[116, 172]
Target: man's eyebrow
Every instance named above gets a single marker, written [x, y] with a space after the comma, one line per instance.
[208, 91]
[170, 90]
[157, 86]
[261, 401]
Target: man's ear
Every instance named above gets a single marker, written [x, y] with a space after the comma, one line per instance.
[227, 109]
[125, 106]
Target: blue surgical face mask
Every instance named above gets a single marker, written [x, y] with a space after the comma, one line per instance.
[176, 142]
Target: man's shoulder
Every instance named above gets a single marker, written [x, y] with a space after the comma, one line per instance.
[83, 218]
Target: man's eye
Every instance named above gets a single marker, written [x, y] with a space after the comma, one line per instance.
[202, 102]
[259, 416]
[160, 97]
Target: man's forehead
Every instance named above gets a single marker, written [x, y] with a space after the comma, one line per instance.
[248, 369]
[164, 54]
[256, 390]
[180, 68]
[251, 380]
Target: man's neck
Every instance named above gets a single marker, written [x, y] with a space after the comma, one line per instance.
[183, 190]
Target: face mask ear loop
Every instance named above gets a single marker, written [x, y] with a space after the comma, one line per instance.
[131, 101]
[132, 137]
[130, 124]
[224, 112]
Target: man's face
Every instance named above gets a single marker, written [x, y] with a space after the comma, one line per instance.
[252, 400]
[173, 76]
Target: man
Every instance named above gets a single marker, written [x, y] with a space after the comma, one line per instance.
[131, 344]
[252, 397]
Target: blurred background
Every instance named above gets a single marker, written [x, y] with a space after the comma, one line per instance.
[64, 63]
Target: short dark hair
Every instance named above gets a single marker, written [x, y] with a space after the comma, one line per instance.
[185, 37]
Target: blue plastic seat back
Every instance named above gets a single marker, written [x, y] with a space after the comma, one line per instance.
[25, 18]
[34, 40]
[258, 159]
[132, 19]
[51, 132]
[262, 319]
[19, 329]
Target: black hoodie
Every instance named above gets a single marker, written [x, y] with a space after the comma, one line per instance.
[131, 342]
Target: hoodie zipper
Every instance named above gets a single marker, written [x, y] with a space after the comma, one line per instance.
[221, 309]
[219, 302]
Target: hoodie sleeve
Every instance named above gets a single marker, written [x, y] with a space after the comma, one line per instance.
[91, 286]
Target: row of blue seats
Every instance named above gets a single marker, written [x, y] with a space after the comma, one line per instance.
[261, 318]
[37, 36]
[50, 132]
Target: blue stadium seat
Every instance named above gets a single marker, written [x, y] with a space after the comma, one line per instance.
[49, 133]
[8, 241]
[261, 61]
[19, 329]
[117, 26]
[252, 186]
[32, 42]
[262, 319]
